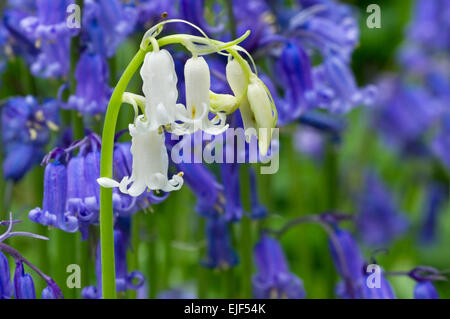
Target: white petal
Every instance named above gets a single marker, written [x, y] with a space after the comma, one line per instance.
[107, 182]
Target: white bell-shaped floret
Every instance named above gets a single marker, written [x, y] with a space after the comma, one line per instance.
[261, 107]
[239, 83]
[150, 162]
[197, 83]
[160, 88]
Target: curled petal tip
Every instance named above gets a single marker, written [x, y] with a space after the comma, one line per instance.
[107, 182]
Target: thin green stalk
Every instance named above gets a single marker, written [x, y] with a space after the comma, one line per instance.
[202, 279]
[246, 235]
[228, 283]
[246, 256]
[106, 170]
[331, 178]
[133, 256]
[231, 18]
[153, 272]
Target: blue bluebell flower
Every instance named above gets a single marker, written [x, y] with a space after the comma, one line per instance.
[108, 23]
[26, 129]
[150, 12]
[328, 26]
[349, 263]
[6, 287]
[193, 11]
[220, 254]
[92, 92]
[260, 25]
[17, 41]
[83, 191]
[23, 283]
[430, 18]
[124, 280]
[336, 88]
[205, 186]
[274, 280]
[295, 71]
[231, 189]
[385, 290]
[441, 143]
[53, 212]
[48, 29]
[437, 195]
[425, 290]
[379, 221]
[403, 114]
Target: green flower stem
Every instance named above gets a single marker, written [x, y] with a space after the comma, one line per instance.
[106, 170]
[246, 235]
[153, 271]
[331, 178]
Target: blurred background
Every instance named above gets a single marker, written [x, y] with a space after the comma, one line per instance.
[378, 157]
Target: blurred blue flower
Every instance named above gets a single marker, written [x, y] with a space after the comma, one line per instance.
[124, 280]
[403, 113]
[108, 23]
[229, 173]
[295, 71]
[437, 195]
[205, 186]
[336, 88]
[48, 293]
[23, 283]
[193, 11]
[385, 290]
[220, 254]
[379, 221]
[150, 12]
[441, 142]
[274, 280]
[349, 263]
[92, 92]
[48, 29]
[425, 290]
[26, 129]
[329, 26]
[6, 287]
[430, 18]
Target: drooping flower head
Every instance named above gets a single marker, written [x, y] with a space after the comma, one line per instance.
[23, 283]
[437, 195]
[48, 29]
[26, 129]
[108, 23]
[92, 93]
[274, 280]
[124, 280]
[379, 220]
[425, 290]
[6, 287]
[54, 208]
[220, 254]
